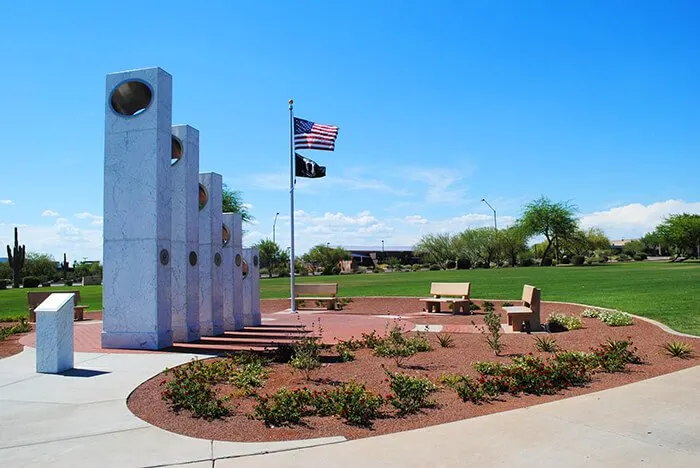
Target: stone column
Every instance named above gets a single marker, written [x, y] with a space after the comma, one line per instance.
[185, 233]
[54, 333]
[237, 247]
[227, 271]
[137, 311]
[251, 288]
[211, 317]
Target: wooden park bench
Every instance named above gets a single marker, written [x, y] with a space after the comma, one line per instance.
[525, 317]
[317, 292]
[37, 297]
[459, 302]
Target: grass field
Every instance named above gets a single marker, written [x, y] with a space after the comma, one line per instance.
[669, 293]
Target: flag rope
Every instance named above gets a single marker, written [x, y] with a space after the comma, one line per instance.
[291, 201]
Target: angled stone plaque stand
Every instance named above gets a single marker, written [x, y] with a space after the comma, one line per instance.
[137, 311]
[185, 233]
[54, 333]
[211, 314]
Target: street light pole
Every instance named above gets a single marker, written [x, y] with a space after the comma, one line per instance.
[274, 225]
[495, 227]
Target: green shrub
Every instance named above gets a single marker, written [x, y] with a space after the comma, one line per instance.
[678, 349]
[371, 340]
[306, 362]
[190, 389]
[614, 355]
[488, 306]
[565, 261]
[415, 267]
[616, 318]
[410, 393]
[507, 304]
[446, 340]
[640, 256]
[351, 401]
[466, 388]
[493, 339]
[395, 346]
[578, 259]
[546, 344]
[473, 307]
[4, 283]
[489, 368]
[526, 262]
[344, 352]
[434, 267]
[623, 258]
[68, 282]
[22, 327]
[249, 377]
[282, 408]
[569, 322]
[546, 262]
[31, 282]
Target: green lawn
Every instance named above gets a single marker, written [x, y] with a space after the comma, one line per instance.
[666, 292]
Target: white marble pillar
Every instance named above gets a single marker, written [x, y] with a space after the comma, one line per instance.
[227, 271]
[185, 233]
[251, 288]
[54, 333]
[137, 311]
[237, 246]
[211, 317]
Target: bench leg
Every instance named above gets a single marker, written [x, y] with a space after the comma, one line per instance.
[331, 305]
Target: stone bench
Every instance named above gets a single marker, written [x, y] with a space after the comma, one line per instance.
[317, 292]
[438, 290]
[525, 317]
[35, 298]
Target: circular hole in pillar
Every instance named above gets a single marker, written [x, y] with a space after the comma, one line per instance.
[245, 269]
[131, 98]
[255, 260]
[217, 259]
[238, 260]
[193, 258]
[176, 150]
[203, 197]
[225, 235]
[164, 257]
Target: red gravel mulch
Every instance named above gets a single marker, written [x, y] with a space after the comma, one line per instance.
[11, 345]
[147, 404]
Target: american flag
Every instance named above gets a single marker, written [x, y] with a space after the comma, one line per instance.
[311, 135]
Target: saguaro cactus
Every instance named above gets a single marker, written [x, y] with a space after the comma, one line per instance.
[16, 259]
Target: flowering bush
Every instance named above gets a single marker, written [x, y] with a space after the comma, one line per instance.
[590, 313]
[489, 368]
[614, 355]
[616, 318]
[410, 393]
[399, 347]
[352, 402]
[466, 388]
[284, 407]
[191, 389]
[569, 322]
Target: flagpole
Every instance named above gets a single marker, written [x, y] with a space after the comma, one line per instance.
[291, 200]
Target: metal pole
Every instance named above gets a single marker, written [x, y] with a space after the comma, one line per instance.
[274, 224]
[291, 201]
[495, 227]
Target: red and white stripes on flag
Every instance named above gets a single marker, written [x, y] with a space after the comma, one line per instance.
[311, 135]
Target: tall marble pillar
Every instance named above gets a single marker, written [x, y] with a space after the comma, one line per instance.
[237, 246]
[211, 314]
[227, 271]
[185, 233]
[251, 288]
[137, 311]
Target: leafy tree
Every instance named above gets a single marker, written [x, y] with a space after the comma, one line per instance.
[271, 256]
[582, 242]
[512, 243]
[87, 269]
[555, 221]
[40, 265]
[681, 231]
[480, 246]
[437, 248]
[5, 271]
[327, 258]
[233, 203]
[654, 243]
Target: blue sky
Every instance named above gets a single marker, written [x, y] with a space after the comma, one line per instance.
[439, 105]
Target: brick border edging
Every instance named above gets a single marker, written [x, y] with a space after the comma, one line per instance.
[662, 326]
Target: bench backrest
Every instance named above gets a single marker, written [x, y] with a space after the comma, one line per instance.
[531, 297]
[35, 298]
[450, 289]
[324, 289]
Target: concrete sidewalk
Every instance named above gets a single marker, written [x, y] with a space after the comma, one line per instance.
[81, 419]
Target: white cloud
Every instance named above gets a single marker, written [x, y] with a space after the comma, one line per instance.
[248, 206]
[415, 219]
[50, 214]
[635, 219]
[6, 202]
[94, 219]
[57, 238]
